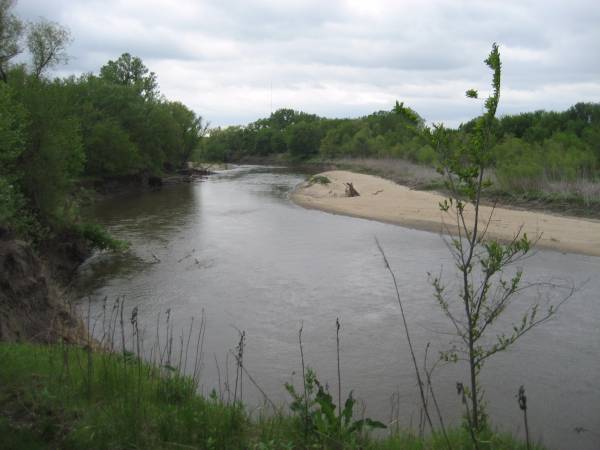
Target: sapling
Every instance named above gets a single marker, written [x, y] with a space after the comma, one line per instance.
[486, 286]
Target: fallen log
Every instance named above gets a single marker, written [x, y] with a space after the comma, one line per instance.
[350, 191]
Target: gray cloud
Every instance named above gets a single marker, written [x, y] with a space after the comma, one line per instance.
[228, 58]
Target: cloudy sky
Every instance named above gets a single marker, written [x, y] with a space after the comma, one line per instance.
[232, 61]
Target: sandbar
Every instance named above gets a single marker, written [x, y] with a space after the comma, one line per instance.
[385, 201]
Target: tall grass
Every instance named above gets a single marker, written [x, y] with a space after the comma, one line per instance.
[48, 392]
[115, 393]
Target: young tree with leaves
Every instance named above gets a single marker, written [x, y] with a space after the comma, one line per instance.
[487, 287]
[47, 43]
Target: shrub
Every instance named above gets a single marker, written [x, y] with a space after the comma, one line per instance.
[99, 237]
[318, 179]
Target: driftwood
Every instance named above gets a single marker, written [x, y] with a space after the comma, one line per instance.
[350, 191]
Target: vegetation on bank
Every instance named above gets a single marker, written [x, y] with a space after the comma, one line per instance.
[67, 397]
[55, 132]
[543, 156]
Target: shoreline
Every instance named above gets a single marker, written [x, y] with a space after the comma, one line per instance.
[385, 201]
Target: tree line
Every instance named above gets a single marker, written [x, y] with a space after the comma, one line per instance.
[56, 132]
[527, 147]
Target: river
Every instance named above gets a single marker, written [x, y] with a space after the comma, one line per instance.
[235, 248]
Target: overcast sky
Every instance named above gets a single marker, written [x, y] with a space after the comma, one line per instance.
[233, 60]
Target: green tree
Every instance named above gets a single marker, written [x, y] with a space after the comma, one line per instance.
[190, 128]
[129, 70]
[330, 144]
[47, 43]
[283, 118]
[263, 141]
[109, 150]
[53, 157]
[483, 264]
[215, 148]
[303, 139]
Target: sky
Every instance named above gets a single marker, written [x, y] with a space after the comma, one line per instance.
[234, 61]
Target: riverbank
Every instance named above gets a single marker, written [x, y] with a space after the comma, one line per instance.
[34, 298]
[104, 187]
[386, 201]
[57, 396]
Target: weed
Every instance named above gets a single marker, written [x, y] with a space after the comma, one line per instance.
[318, 179]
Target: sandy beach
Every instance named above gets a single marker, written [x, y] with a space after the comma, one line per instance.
[386, 201]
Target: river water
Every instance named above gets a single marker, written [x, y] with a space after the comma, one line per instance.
[235, 248]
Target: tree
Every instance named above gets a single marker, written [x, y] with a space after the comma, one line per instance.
[12, 144]
[11, 30]
[53, 156]
[262, 143]
[190, 128]
[47, 42]
[485, 290]
[130, 71]
[109, 150]
[303, 139]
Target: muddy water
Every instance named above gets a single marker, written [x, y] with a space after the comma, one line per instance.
[236, 249]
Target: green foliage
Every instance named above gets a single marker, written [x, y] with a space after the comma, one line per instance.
[109, 150]
[317, 415]
[130, 71]
[122, 405]
[47, 42]
[523, 166]
[13, 119]
[60, 396]
[527, 153]
[319, 179]
[303, 140]
[486, 286]
[11, 29]
[397, 133]
[54, 132]
[12, 144]
[408, 113]
[53, 156]
[99, 237]
[215, 148]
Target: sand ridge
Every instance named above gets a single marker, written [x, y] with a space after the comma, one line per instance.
[386, 201]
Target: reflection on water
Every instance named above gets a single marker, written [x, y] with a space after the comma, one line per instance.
[234, 247]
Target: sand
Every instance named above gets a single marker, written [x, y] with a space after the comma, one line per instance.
[386, 201]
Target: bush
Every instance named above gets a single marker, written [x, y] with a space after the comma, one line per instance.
[99, 237]
[319, 179]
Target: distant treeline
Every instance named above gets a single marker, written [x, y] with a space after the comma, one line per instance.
[529, 146]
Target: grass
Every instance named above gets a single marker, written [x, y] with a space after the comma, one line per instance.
[50, 395]
[74, 398]
[318, 179]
